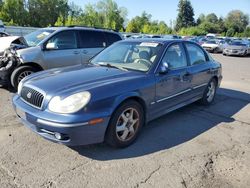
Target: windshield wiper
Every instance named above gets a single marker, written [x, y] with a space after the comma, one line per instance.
[112, 66]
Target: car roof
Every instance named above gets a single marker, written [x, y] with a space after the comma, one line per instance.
[158, 40]
[61, 28]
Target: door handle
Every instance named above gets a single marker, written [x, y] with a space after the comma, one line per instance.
[185, 77]
[76, 52]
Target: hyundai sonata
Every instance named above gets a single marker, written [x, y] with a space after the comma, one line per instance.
[111, 97]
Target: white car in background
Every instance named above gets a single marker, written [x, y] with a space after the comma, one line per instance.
[213, 46]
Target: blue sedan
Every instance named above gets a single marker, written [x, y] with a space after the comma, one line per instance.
[111, 97]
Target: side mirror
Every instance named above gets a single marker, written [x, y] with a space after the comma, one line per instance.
[51, 46]
[164, 68]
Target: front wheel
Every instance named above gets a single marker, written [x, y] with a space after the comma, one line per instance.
[209, 93]
[20, 73]
[125, 124]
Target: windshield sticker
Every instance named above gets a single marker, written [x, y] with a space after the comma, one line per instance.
[43, 34]
[149, 44]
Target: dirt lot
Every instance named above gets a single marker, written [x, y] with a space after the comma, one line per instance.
[195, 146]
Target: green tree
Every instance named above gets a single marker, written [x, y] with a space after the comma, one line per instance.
[236, 20]
[137, 24]
[200, 19]
[143, 24]
[230, 32]
[14, 11]
[212, 18]
[247, 32]
[43, 13]
[112, 15]
[185, 16]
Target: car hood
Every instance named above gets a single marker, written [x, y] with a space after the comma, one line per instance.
[210, 45]
[5, 42]
[84, 77]
[230, 47]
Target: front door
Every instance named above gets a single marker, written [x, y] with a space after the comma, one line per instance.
[200, 68]
[66, 52]
[173, 87]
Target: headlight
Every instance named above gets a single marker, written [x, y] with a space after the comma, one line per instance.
[70, 104]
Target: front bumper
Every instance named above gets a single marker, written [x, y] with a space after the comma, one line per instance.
[208, 49]
[72, 134]
[234, 52]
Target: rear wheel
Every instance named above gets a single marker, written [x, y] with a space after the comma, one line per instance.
[209, 93]
[20, 73]
[125, 124]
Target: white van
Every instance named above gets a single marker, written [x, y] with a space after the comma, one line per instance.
[2, 28]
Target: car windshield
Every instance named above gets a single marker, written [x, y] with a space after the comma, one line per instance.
[138, 56]
[211, 42]
[238, 43]
[37, 36]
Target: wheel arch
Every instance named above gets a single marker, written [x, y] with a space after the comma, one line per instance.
[123, 99]
[216, 79]
[132, 96]
[32, 64]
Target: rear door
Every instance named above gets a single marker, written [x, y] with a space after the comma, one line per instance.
[66, 52]
[199, 68]
[173, 87]
[91, 43]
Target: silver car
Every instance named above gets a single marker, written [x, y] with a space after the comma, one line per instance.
[238, 48]
[59, 47]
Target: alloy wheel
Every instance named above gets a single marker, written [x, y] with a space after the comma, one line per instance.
[211, 91]
[127, 124]
[23, 75]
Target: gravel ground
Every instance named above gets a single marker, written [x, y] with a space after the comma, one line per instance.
[195, 146]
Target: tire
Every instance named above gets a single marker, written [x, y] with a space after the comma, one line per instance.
[216, 50]
[120, 136]
[19, 73]
[209, 93]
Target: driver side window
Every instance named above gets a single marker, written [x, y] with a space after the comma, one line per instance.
[175, 57]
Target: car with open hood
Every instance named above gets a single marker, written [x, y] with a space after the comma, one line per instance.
[117, 92]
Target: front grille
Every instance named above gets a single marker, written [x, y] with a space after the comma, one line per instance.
[32, 97]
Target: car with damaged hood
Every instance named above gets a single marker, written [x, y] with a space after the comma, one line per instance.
[4, 34]
[117, 92]
[60, 47]
[11, 41]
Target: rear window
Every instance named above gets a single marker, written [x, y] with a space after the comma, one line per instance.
[112, 37]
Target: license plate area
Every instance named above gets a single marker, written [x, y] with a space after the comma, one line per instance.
[21, 114]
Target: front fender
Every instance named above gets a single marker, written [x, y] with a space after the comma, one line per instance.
[121, 98]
